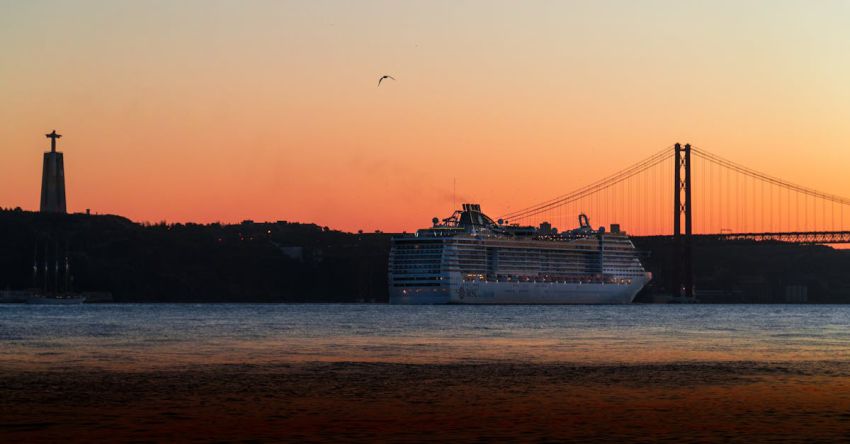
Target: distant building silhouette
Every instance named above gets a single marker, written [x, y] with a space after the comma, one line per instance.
[53, 179]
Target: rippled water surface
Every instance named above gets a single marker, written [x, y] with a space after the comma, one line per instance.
[163, 335]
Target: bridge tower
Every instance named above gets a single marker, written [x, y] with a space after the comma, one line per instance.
[683, 274]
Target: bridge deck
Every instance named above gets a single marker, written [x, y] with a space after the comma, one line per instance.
[799, 237]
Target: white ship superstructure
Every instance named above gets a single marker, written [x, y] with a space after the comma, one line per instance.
[470, 259]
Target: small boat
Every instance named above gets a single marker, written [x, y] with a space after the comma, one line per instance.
[59, 299]
[52, 282]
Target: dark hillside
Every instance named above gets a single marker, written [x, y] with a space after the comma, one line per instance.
[755, 272]
[255, 262]
[291, 262]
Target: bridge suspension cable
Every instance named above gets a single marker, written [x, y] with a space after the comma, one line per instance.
[767, 178]
[728, 199]
[595, 187]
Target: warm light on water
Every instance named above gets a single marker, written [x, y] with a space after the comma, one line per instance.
[147, 336]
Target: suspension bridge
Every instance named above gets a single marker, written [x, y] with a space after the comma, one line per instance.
[712, 198]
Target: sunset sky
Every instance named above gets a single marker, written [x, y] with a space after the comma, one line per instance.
[268, 110]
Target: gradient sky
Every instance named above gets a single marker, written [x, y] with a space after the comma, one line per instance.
[268, 110]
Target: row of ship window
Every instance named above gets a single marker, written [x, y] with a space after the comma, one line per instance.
[530, 279]
[525, 265]
[554, 279]
[582, 249]
[560, 255]
[550, 268]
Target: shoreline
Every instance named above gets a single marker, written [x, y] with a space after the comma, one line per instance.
[356, 401]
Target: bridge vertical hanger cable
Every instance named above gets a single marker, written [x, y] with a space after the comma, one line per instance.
[641, 192]
[660, 196]
[744, 200]
[767, 178]
[731, 198]
[656, 198]
[748, 204]
[770, 208]
[749, 199]
[706, 173]
[611, 180]
[636, 189]
[780, 202]
[737, 204]
[701, 197]
[737, 194]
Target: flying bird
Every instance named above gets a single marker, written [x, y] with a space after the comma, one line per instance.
[385, 77]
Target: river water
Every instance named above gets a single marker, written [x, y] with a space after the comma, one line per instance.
[146, 336]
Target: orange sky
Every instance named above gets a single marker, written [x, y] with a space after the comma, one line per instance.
[223, 111]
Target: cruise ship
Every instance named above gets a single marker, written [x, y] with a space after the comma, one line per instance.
[470, 259]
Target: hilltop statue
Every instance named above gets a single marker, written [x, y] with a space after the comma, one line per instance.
[53, 179]
[53, 136]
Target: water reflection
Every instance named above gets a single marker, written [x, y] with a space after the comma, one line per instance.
[140, 336]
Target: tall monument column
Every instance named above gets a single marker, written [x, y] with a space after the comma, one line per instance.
[53, 179]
